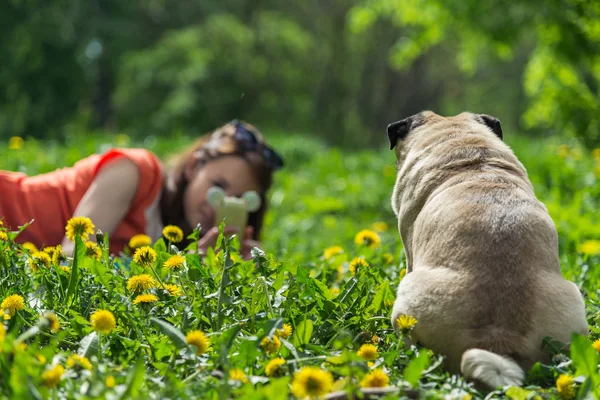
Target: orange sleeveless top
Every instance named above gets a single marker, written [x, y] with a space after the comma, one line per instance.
[50, 199]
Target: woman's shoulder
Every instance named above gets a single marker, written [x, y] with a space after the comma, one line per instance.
[146, 161]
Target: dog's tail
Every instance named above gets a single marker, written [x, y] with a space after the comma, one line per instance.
[491, 369]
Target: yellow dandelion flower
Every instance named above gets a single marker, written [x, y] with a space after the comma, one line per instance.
[144, 256]
[335, 291]
[92, 250]
[379, 226]
[41, 259]
[173, 233]
[270, 346]
[198, 339]
[176, 261]
[237, 374]
[103, 321]
[53, 376]
[58, 257]
[145, 298]
[565, 385]
[30, 247]
[367, 238]
[110, 382]
[140, 240]
[590, 247]
[81, 226]
[140, 282]
[596, 344]
[3, 236]
[20, 347]
[41, 359]
[388, 258]
[563, 151]
[78, 361]
[53, 322]
[332, 251]
[368, 352]
[312, 382]
[1, 223]
[375, 378]
[356, 264]
[173, 290]
[406, 322]
[12, 304]
[375, 339]
[50, 250]
[65, 269]
[15, 143]
[273, 367]
[2, 332]
[285, 332]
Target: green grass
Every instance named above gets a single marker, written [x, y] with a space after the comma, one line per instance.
[322, 198]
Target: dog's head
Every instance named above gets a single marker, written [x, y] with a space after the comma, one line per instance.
[427, 121]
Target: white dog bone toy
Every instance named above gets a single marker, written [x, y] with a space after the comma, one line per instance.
[233, 210]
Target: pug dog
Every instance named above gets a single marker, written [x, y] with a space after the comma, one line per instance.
[483, 276]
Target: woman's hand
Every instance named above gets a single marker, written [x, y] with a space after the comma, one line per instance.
[247, 243]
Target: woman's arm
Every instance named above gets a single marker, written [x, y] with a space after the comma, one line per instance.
[109, 197]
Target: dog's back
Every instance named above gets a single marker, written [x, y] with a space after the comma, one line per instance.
[477, 242]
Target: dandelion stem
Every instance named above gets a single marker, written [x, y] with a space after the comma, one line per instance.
[192, 376]
[24, 320]
[149, 345]
[182, 286]
[100, 346]
[157, 277]
[300, 360]
[60, 340]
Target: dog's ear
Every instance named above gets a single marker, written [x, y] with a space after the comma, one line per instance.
[493, 123]
[398, 130]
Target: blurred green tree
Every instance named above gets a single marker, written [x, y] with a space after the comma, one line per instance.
[41, 82]
[341, 69]
[203, 75]
[562, 73]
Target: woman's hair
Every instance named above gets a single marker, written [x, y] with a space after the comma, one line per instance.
[211, 146]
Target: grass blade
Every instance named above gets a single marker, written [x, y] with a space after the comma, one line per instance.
[172, 332]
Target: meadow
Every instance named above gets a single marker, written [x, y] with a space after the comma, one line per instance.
[307, 316]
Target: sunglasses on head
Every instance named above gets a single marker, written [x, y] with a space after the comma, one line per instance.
[249, 142]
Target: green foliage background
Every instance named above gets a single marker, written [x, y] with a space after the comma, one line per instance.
[338, 69]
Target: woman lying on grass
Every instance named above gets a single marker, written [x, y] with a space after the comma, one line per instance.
[128, 191]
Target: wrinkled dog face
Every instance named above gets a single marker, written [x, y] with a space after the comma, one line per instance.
[401, 134]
